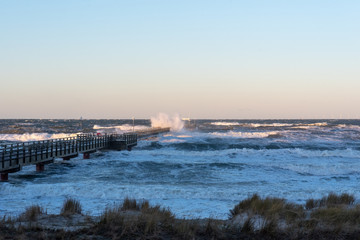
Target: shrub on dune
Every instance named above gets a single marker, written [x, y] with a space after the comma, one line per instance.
[269, 208]
[71, 206]
[330, 201]
[31, 213]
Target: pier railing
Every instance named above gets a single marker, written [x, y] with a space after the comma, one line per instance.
[14, 156]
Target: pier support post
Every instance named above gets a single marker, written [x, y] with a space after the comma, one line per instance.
[4, 177]
[86, 155]
[40, 167]
[66, 158]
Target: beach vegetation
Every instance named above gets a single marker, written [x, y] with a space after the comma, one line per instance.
[132, 218]
[248, 225]
[130, 204]
[71, 206]
[185, 229]
[269, 208]
[331, 200]
[331, 217]
[31, 213]
[338, 216]
[213, 228]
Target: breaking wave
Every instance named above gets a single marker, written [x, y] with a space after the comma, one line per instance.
[195, 172]
[260, 125]
[33, 136]
[225, 123]
[233, 134]
[119, 129]
[163, 120]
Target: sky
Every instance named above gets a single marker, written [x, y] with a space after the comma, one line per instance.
[201, 59]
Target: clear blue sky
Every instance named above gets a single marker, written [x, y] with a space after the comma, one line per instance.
[206, 59]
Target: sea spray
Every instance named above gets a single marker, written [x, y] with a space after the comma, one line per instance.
[164, 120]
[34, 136]
[198, 173]
[119, 128]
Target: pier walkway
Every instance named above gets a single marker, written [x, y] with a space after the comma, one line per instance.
[39, 153]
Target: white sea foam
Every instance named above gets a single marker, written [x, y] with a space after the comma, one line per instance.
[234, 134]
[310, 125]
[218, 170]
[164, 120]
[184, 136]
[172, 141]
[227, 176]
[33, 136]
[319, 124]
[350, 127]
[120, 128]
[294, 125]
[225, 123]
[258, 125]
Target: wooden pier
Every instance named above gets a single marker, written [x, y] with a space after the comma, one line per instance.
[151, 132]
[14, 156]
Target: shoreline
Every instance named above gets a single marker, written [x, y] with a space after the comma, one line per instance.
[331, 217]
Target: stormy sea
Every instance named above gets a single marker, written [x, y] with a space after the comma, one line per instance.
[200, 169]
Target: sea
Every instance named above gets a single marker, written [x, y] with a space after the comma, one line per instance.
[201, 169]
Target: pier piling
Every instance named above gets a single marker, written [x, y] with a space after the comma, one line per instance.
[4, 177]
[40, 167]
[39, 153]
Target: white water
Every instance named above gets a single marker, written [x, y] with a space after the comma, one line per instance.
[33, 136]
[164, 120]
[119, 129]
[245, 134]
[197, 174]
[225, 123]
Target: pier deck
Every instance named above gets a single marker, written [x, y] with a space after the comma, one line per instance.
[14, 156]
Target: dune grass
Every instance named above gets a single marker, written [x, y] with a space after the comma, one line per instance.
[269, 208]
[331, 200]
[130, 204]
[31, 213]
[133, 218]
[331, 217]
[71, 206]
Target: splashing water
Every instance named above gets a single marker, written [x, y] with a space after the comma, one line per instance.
[34, 136]
[164, 120]
[198, 173]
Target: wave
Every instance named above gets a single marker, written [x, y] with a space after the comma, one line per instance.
[260, 141]
[25, 124]
[34, 136]
[233, 134]
[120, 128]
[260, 125]
[349, 127]
[173, 141]
[322, 169]
[310, 125]
[269, 125]
[300, 126]
[163, 120]
[319, 124]
[225, 123]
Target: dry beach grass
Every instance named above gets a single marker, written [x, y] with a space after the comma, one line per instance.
[331, 217]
